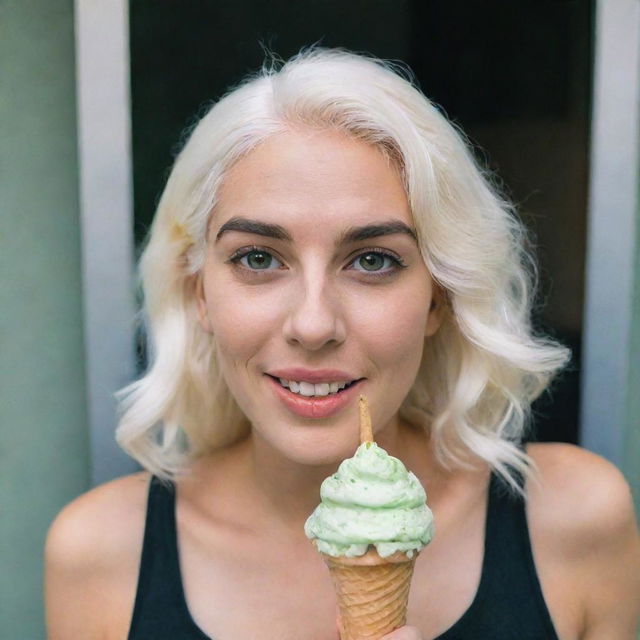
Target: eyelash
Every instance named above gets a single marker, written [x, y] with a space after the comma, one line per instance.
[398, 263]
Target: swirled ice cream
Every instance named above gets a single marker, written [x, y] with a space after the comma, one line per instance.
[371, 500]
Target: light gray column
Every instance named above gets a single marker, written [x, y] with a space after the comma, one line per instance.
[44, 457]
[610, 412]
[104, 139]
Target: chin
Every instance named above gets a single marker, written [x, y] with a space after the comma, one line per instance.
[318, 447]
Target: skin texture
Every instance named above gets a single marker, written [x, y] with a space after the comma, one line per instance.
[241, 510]
[317, 309]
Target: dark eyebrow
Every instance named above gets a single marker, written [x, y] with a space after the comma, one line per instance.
[356, 234]
[256, 227]
[351, 235]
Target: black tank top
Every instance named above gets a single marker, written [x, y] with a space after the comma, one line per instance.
[508, 604]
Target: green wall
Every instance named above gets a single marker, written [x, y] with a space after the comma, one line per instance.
[632, 436]
[43, 435]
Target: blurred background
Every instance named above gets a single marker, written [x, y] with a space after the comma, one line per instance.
[94, 100]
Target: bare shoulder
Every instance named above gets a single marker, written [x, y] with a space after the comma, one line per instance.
[585, 540]
[578, 492]
[92, 559]
[100, 523]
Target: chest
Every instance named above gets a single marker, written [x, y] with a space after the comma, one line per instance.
[259, 594]
[250, 591]
[240, 584]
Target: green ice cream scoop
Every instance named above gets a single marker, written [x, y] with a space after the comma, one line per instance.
[371, 500]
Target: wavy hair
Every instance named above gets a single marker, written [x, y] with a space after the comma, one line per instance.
[479, 373]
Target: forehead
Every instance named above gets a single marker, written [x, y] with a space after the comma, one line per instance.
[317, 178]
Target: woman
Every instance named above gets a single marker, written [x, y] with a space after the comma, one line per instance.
[326, 233]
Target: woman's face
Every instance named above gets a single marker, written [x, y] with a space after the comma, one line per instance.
[313, 279]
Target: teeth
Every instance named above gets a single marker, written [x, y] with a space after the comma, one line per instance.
[322, 389]
[309, 390]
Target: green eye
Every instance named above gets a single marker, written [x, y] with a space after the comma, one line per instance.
[377, 263]
[371, 261]
[258, 260]
[374, 261]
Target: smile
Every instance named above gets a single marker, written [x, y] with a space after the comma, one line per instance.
[315, 400]
[310, 390]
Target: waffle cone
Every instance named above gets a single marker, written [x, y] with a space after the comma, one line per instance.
[372, 593]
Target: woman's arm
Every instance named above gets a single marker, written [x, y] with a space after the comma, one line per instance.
[586, 543]
[612, 571]
[91, 562]
[72, 578]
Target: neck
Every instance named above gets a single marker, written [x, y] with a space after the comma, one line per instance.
[285, 492]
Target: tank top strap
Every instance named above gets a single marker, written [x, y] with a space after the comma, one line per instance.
[509, 562]
[509, 603]
[160, 610]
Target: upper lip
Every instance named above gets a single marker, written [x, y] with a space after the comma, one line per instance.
[313, 376]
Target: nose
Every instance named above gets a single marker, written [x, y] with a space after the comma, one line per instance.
[316, 316]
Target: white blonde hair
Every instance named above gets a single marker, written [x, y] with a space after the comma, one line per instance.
[479, 373]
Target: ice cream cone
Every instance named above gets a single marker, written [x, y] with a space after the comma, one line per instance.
[372, 505]
[372, 592]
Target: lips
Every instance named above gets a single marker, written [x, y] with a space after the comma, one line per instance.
[315, 406]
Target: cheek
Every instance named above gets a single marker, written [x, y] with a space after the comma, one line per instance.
[398, 337]
[394, 330]
[240, 321]
[387, 324]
